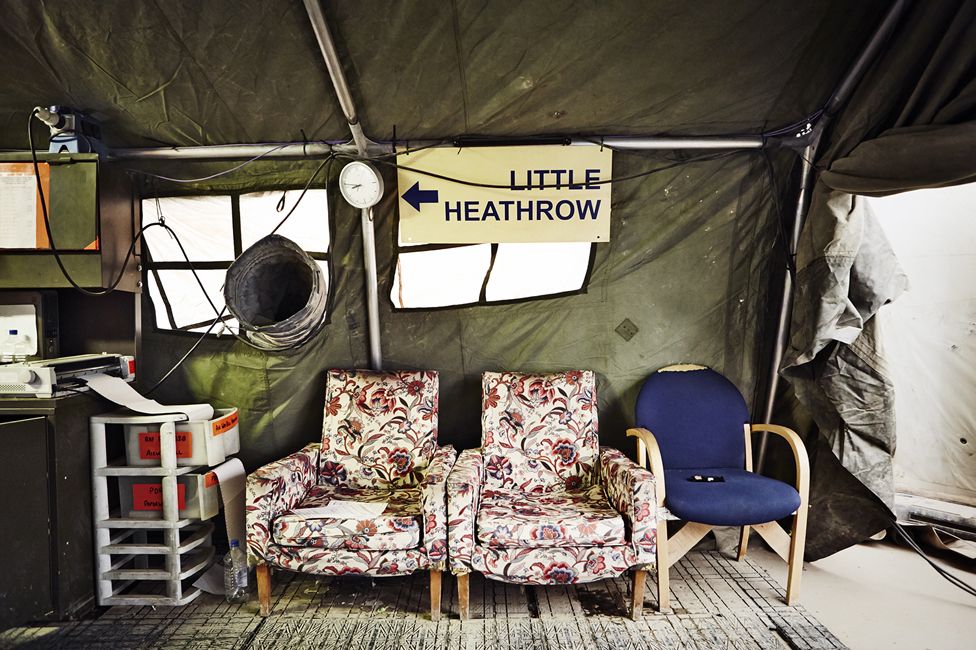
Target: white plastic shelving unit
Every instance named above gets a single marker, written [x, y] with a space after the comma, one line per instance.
[124, 555]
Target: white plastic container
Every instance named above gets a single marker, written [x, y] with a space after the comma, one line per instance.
[198, 496]
[201, 442]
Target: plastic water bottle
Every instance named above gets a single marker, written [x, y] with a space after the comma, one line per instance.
[235, 574]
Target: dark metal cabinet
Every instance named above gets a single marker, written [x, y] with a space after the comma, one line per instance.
[46, 565]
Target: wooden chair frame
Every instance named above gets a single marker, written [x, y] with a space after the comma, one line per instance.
[787, 546]
[264, 591]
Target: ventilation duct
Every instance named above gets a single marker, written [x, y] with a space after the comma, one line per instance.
[277, 293]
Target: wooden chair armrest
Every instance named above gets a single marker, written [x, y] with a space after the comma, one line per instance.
[799, 455]
[648, 450]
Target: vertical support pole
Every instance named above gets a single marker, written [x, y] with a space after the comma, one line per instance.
[372, 290]
[327, 46]
[786, 301]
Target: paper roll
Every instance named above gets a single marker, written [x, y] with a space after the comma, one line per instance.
[230, 480]
[116, 390]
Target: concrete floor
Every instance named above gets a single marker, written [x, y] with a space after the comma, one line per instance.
[877, 596]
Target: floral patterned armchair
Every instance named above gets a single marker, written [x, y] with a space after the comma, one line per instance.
[379, 443]
[541, 502]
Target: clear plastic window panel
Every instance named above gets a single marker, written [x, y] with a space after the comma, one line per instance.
[532, 270]
[181, 295]
[308, 226]
[439, 278]
[203, 224]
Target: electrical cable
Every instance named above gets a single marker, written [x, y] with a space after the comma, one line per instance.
[607, 181]
[220, 313]
[50, 236]
[217, 174]
[186, 356]
[780, 228]
[951, 578]
[328, 159]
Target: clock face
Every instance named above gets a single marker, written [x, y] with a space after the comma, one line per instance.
[361, 184]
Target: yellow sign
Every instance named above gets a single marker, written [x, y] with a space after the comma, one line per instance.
[505, 195]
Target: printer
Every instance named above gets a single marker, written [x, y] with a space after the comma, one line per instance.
[62, 376]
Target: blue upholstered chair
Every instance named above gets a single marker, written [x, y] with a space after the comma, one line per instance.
[693, 426]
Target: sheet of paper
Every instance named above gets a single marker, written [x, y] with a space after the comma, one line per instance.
[339, 509]
[117, 390]
[18, 211]
[212, 580]
[231, 477]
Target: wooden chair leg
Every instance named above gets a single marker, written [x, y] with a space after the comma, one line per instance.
[435, 595]
[663, 566]
[743, 542]
[464, 605]
[637, 594]
[264, 588]
[798, 539]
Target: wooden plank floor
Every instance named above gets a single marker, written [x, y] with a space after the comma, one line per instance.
[718, 604]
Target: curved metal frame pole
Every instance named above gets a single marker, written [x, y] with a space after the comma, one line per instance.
[839, 97]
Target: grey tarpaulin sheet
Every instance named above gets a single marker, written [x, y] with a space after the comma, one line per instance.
[908, 125]
[846, 271]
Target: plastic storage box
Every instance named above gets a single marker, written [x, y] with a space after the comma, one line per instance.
[198, 496]
[201, 442]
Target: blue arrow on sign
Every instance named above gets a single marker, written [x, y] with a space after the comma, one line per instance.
[416, 196]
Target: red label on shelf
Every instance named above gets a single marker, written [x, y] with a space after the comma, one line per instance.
[149, 496]
[224, 424]
[149, 445]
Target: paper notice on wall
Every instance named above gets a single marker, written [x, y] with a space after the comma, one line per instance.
[231, 478]
[117, 390]
[18, 211]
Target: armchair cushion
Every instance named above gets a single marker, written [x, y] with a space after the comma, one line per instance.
[379, 428]
[743, 499]
[398, 527]
[509, 519]
[539, 432]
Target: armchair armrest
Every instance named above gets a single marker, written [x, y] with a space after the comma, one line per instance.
[799, 457]
[648, 450]
[434, 503]
[273, 490]
[463, 499]
[632, 491]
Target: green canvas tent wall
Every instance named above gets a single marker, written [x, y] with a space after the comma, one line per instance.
[696, 256]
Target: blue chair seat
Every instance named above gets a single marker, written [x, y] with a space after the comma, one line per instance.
[742, 499]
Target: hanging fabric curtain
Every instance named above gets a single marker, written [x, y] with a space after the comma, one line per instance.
[909, 125]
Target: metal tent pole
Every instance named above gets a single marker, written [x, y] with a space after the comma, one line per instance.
[839, 97]
[318, 149]
[317, 18]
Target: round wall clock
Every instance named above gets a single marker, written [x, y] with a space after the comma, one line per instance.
[361, 184]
